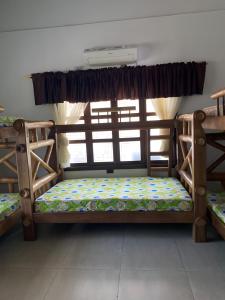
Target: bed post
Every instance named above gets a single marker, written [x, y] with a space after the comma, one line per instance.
[199, 177]
[25, 179]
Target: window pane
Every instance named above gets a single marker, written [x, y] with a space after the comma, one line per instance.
[130, 151]
[155, 145]
[78, 153]
[155, 131]
[149, 106]
[129, 133]
[160, 157]
[76, 135]
[80, 122]
[96, 121]
[122, 103]
[103, 152]
[131, 119]
[100, 104]
[102, 134]
[152, 118]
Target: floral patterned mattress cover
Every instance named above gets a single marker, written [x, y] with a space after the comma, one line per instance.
[216, 202]
[9, 202]
[115, 194]
[7, 121]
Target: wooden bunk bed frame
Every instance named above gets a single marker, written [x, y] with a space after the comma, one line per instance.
[191, 160]
[215, 120]
[7, 133]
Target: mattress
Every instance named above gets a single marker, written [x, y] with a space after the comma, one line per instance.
[216, 202]
[115, 194]
[9, 203]
[7, 121]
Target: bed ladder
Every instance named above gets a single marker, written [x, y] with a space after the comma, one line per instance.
[166, 135]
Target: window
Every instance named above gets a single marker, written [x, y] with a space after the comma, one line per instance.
[112, 149]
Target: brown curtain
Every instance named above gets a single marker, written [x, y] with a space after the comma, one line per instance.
[140, 82]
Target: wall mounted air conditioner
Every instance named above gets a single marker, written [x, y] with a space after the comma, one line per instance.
[110, 56]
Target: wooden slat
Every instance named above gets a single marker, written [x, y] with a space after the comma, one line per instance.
[216, 163]
[215, 123]
[113, 109]
[44, 180]
[7, 156]
[8, 180]
[7, 132]
[8, 145]
[185, 138]
[42, 162]
[186, 177]
[39, 124]
[218, 94]
[160, 137]
[115, 217]
[157, 124]
[41, 144]
[162, 153]
[216, 176]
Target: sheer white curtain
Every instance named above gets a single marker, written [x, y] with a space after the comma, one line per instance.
[67, 113]
[166, 108]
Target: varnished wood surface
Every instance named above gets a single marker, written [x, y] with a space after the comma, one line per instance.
[115, 217]
[10, 222]
[217, 224]
[220, 93]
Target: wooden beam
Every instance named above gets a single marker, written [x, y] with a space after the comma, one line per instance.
[218, 94]
[115, 217]
[120, 126]
[44, 180]
[41, 144]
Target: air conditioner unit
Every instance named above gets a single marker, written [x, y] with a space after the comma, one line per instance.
[110, 56]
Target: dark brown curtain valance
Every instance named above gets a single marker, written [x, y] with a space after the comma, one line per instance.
[141, 82]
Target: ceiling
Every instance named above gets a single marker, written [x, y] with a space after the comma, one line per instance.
[30, 14]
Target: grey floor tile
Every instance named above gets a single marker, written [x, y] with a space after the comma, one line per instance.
[96, 250]
[158, 231]
[40, 253]
[154, 285]
[80, 284]
[25, 284]
[207, 285]
[202, 256]
[141, 251]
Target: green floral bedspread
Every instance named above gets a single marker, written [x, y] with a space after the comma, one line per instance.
[9, 202]
[115, 194]
[217, 203]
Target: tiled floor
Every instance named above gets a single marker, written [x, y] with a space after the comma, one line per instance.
[109, 262]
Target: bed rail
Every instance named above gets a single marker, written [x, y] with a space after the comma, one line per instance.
[191, 167]
[8, 157]
[33, 166]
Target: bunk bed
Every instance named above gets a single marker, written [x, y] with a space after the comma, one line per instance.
[215, 122]
[10, 212]
[46, 198]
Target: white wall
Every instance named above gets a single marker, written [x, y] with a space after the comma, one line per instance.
[198, 36]
[164, 39]
[15, 15]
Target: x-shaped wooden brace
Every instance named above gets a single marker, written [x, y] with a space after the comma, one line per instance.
[187, 156]
[39, 162]
[5, 160]
[219, 160]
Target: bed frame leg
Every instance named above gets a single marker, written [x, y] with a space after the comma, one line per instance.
[29, 231]
[199, 230]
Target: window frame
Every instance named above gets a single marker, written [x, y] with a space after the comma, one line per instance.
[115, 140]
